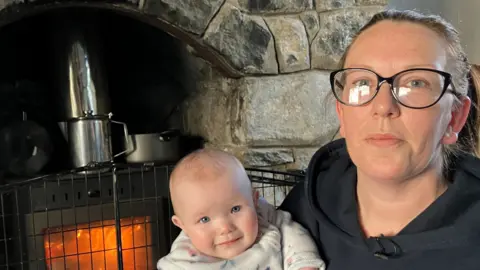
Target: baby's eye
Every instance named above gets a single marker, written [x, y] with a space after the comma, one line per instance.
[236, 209]
[204, 220]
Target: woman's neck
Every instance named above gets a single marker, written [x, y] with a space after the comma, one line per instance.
[386, 208]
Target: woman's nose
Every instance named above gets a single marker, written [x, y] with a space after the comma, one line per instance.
[384, 104]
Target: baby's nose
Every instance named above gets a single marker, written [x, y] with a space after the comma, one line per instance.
[226, 227]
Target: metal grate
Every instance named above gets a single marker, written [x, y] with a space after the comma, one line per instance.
[112, 216]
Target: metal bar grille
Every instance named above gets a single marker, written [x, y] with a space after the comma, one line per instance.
[109, 216]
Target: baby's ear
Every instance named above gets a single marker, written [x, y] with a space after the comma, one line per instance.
[255, 197]
[177, 222]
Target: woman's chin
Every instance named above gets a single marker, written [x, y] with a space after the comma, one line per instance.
[385, 170]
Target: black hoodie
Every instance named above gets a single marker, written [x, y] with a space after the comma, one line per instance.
[445, 236]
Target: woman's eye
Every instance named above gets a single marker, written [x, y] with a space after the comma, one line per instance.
[204, 220]
[417, 84]
[236, 209]
[362, 83]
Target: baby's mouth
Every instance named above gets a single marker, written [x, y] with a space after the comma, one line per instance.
[229, 242]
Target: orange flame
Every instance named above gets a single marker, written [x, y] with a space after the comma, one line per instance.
[94, 245]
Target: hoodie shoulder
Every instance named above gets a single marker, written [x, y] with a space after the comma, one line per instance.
[297, 202]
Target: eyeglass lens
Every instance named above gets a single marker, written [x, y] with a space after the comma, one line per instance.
[415, 88]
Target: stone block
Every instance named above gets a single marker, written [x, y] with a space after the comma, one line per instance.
[322, 5]
[190, 15]
[291, 43]
[337, 28]
[312, 24]
[303, 156]
[267, 157]
[207, 111]
[275, 6]
[244, 40]
[288, 109]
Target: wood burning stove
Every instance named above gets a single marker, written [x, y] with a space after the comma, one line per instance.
[87, 221]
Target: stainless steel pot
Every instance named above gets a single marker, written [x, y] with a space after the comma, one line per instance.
[154, 147]
[89, 139]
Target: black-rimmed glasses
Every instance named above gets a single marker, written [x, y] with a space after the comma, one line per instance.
[416, 88]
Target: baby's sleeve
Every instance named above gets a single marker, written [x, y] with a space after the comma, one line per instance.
[299, 249]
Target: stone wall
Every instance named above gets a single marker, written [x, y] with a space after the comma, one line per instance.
[278, 112]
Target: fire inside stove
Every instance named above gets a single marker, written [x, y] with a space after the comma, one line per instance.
[94, 245]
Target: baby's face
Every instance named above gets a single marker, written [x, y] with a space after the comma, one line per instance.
[219, 216]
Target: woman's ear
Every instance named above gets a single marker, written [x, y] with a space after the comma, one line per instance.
[459, 118]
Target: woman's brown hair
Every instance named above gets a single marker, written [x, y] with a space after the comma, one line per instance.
[470, 134]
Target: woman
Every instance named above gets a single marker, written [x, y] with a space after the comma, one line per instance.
[400, 191]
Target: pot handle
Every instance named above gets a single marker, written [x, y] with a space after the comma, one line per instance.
[167, 135]
[129, 147]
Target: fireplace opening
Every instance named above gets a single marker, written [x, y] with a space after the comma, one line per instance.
[94, 245]
[145, 72]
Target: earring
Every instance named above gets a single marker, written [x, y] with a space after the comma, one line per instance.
[449, 131]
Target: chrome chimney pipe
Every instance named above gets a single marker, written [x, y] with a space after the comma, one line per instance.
[82, 80]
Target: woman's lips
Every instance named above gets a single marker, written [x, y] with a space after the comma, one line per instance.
[383, 140]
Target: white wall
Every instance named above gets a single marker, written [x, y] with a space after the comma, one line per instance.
[463, 14]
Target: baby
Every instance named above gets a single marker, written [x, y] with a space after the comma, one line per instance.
[226, 226]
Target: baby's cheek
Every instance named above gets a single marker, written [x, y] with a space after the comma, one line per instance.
[252, 225]
[202, 242]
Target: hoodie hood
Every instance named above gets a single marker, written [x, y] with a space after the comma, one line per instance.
[453, 219]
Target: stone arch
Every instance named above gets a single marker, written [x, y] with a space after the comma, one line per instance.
[195, 24]
[239, 37]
